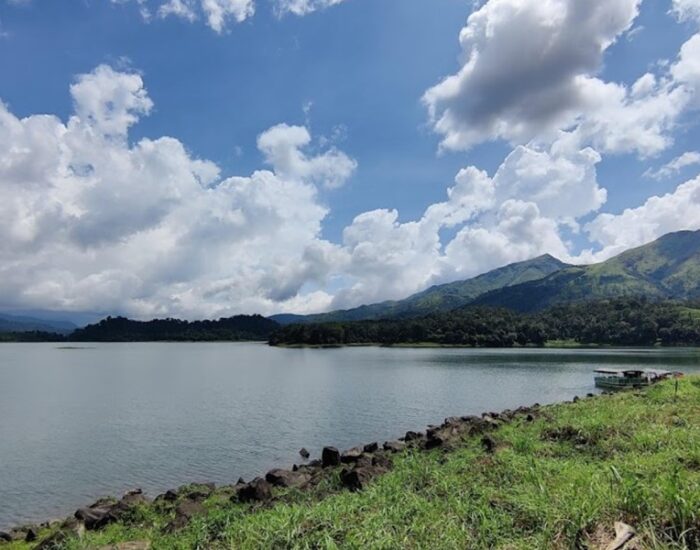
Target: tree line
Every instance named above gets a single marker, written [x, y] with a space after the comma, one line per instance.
[621, 321]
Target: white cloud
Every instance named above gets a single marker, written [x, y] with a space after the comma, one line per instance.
[686, 10]
[529, 69]
[636, 226]
[283, 147]
[515, 215]
[303, 7]
[673, 167]
[218, 13]
[184, 9]
[524, 65]
[91, 222]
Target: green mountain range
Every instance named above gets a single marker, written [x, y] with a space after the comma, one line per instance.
[668, 268]
[440, 297]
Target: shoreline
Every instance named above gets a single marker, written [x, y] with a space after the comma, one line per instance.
[569, 433]
[431, 437]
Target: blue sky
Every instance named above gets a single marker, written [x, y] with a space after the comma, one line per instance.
[362, 209]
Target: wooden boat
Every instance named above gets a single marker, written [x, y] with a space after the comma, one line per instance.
[616, 379]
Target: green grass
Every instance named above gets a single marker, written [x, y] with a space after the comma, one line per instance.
[558, 482]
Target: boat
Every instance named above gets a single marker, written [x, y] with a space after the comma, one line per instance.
[616, 379]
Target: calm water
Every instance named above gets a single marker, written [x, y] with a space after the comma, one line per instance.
[76, 424]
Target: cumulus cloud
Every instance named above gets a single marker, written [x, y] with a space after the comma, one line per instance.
[529, 69]
[524, 65]
[673, 167]
[92, 222]
[283, 147]
[659, 215]
[686, 10]
[515, 215]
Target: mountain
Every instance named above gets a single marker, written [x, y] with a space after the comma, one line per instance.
[21, 323]
[668, 268]
[440, 297]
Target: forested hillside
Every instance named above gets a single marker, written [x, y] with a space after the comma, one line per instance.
[619, 321]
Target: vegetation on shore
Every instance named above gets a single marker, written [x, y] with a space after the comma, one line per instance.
[120, 329]
[557, 477]
[617, 322]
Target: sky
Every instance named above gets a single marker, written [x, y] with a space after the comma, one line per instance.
[204, 158]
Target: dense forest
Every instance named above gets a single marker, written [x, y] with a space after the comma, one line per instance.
[120, 329]
[620, 321]
[31, 336]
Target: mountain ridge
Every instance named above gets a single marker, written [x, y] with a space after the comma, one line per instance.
[443, 297]
[667, 268]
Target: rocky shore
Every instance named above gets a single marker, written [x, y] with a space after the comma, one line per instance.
[355, 467]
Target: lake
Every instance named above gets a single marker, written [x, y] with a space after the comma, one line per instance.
[76, 424]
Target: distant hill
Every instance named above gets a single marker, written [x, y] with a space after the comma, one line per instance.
[440, 297]
[668, 268]
[21, 323]
[120, 329]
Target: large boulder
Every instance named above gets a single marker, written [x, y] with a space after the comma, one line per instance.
[5, 537]
[330, 457]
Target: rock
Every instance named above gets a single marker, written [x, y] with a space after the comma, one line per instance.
[257, 490]
[437, 437]
[184, 512]
[73, 527]
[198, 491]
[452, 420]
[623, 534]
[394, 446]
[54, 541]
[5, 537]
[488, 443]
[529, 418]
[412, 436]
[357, 478]
[490, 420]
[576, 399]
[330, 457]
[94, 517]
[382, 461]
[304, 453]
[315, 463]
[240, 481]
[31, 535]
[590, 395]
[285, 478]
[364, 461]
[168, 496]
[351, 455]
[371, 447]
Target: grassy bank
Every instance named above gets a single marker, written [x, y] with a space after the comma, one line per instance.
[558, 480]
